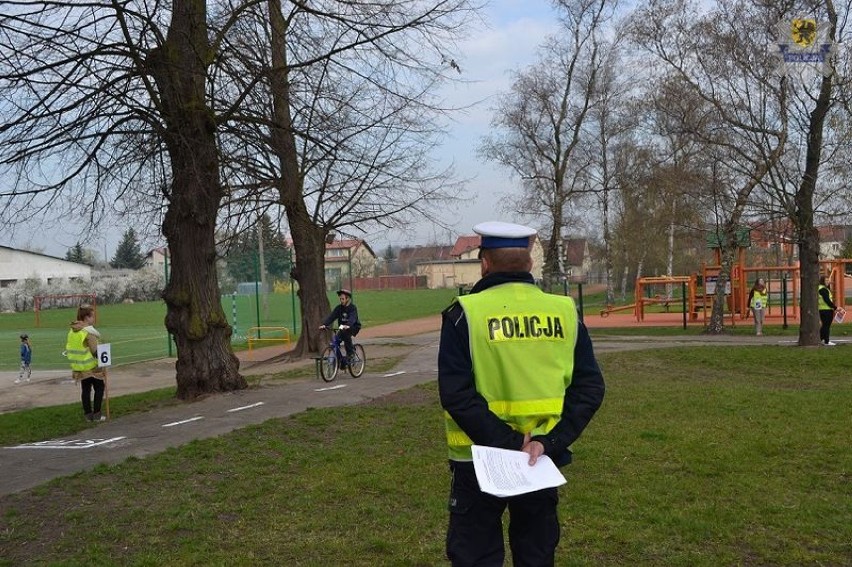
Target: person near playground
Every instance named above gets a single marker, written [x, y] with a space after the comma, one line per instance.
[516, 370]
[26, 359]
[81, 348]
[758, 300]
[827, 308]
[346, 315]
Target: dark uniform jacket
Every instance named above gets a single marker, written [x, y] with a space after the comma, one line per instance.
[347, 315]
[470, 410]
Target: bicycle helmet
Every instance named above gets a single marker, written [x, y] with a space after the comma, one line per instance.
[344, 292]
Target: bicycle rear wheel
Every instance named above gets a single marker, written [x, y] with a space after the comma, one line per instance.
[328, 365]
[358, 361]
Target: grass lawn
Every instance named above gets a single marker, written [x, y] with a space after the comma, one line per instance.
[700, 456]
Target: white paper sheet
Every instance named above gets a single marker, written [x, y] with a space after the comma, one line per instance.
[507, 473]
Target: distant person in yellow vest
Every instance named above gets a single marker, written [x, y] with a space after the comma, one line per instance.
[516, 370]
[826, 311]
[81, 348]
[758, 300]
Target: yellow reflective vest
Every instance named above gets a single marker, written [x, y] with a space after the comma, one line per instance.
[78, 352]
[823, 306]
[522, 347]
[759, 299]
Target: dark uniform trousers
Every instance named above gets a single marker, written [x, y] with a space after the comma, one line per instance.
[475, 534]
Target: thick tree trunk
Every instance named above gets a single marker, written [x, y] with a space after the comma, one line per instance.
[310, 273]
[206, 362]
[308, 238]
[809, 277]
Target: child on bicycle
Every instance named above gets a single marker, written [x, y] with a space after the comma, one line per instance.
[346, 315]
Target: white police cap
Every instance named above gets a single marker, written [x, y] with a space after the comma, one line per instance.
[498, 234]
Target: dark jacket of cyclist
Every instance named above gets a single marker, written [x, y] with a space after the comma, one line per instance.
[346, 314]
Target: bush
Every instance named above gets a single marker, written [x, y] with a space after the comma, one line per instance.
[110, 287]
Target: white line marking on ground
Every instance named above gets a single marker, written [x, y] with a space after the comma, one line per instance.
[245, 407]
[394, 374]
[330, 388]
[196, 418]
[72, 444]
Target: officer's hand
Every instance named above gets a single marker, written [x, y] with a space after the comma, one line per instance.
[534, 448]
[323, 327]
[344, 327]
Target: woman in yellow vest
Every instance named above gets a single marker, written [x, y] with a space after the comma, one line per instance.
[825, 301]
[516, 370]
[758, 300]
[81, 348]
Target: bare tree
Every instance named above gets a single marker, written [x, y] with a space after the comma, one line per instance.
[813, 97]
[719, 57]
[101, 98]
[540, 123]
[343, 118]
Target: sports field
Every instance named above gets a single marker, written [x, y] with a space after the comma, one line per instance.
[136, 332]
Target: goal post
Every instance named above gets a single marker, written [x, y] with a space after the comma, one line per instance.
[73, 300]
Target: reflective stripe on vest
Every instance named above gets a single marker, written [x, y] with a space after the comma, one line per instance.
[78, 353]
[823, 306]
[517, 330]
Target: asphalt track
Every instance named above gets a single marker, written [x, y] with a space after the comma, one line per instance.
[141, 434]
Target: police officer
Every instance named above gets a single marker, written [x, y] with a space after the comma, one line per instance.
[516, 370]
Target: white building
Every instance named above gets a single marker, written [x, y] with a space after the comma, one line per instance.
[17, 265]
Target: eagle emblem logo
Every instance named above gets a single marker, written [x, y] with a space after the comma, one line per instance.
[803, 32]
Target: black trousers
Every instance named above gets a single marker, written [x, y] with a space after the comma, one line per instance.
[475, 533]
[346, 336]
[826, 317]
[87, 385]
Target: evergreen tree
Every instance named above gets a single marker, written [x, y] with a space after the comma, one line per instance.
[128, 254]
[242, 257]
[76, 254]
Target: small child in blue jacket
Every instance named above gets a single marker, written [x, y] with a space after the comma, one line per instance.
[26, 359]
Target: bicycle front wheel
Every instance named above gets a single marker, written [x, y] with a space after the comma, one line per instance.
[328, 365]
[358, 361]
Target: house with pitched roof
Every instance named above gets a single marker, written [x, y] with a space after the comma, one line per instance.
[408, 258]
[346, 259]
[463, 267]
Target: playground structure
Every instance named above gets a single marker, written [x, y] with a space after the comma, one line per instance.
[667, 299]
[783, 283]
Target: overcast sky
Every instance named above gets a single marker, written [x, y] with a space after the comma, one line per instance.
[508, 40]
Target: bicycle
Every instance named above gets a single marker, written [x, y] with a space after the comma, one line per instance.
[333, 359]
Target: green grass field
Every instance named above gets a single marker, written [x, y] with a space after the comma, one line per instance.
[699, 457]
[136, 332]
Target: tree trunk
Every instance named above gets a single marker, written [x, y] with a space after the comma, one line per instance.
[716, 325]
[808, 236]
[206, 362]
[308, 238]
[550, 273]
